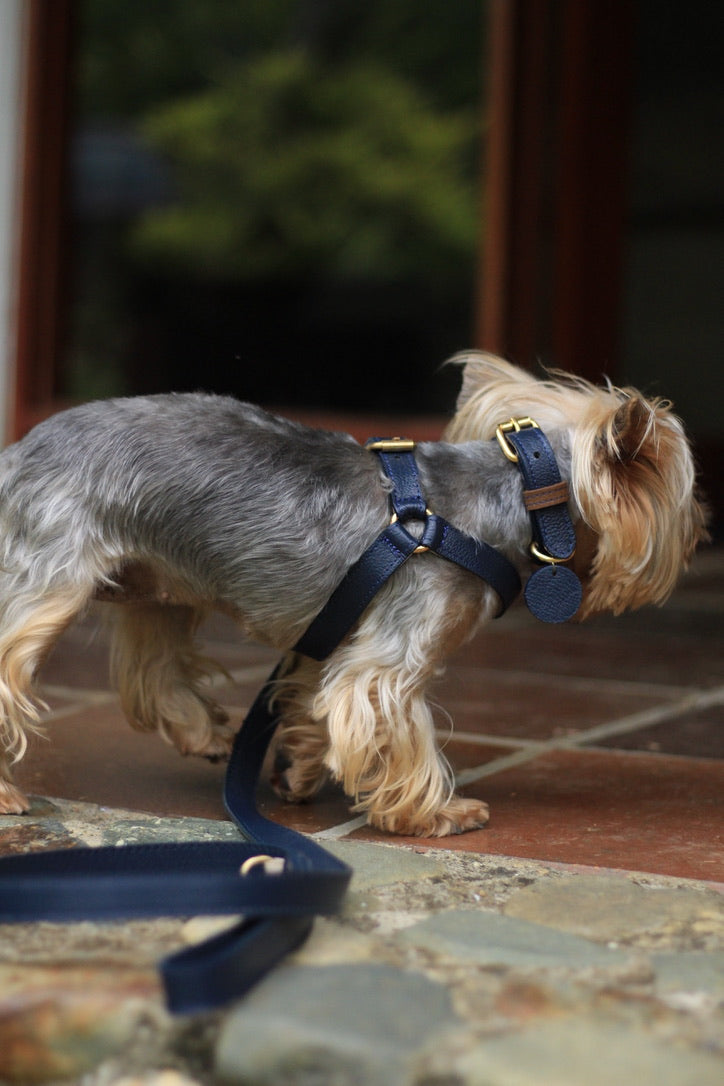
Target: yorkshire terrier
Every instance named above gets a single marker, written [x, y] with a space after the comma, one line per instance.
[174, 505]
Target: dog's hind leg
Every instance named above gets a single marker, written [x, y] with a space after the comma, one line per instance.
[160, 677]
[30, 623]
[12, 800]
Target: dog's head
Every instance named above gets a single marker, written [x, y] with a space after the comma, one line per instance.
[632, 474]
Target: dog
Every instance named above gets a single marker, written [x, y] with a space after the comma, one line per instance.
[173, 505]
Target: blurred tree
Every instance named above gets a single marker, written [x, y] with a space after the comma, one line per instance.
[287, 169]
[265, 186]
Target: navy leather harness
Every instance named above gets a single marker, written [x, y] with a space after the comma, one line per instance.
[277, 878]
[395, 545]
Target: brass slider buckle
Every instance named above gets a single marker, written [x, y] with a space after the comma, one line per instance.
[507, 428]
[421, 549]
[391, 445]
[273, 865]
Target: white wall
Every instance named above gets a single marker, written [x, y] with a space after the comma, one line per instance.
[11, 67]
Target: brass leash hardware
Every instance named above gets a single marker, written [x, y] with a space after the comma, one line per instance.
[421, 549]
[273, 865]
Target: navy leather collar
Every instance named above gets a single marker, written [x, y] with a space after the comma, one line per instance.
[553, 592]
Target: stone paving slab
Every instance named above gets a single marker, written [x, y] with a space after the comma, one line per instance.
[444, 969]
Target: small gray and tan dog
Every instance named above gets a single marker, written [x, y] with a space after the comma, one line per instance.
[174, 505]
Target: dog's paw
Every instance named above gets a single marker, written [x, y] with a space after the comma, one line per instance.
[12, 800]
[217, 746]
[297, 782]
[458, 816]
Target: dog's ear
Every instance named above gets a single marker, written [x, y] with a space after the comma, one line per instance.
[631, 425]
[481, 370]
[636, 489]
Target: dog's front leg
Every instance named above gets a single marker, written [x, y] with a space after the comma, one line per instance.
[381, 731]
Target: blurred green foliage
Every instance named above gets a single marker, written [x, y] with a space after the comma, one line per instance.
[326, 138]
[284, 170]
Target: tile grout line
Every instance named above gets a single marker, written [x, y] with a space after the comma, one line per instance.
[697, 700]
[644, 718]
[341, 829]
[482, 739]
[498, 765]
[629, 687]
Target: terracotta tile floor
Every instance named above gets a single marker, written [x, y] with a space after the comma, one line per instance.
[600, 744]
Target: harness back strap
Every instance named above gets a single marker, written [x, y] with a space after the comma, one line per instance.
[394, 545]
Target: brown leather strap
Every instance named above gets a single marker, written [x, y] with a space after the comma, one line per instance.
[545, 496]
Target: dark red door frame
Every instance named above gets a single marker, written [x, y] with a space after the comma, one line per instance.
[554, 213]
[43, 252]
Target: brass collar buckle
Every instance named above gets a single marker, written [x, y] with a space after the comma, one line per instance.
[507, 428]
[553, 591]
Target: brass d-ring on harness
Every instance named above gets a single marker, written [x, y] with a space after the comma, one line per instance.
[395, 544]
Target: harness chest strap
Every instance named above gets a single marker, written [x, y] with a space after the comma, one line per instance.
[553, 594]
[394, 545]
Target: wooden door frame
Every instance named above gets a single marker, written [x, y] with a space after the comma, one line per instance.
[555, 202]
[43, 249]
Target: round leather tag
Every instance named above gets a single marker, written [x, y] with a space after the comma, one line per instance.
[553, 593]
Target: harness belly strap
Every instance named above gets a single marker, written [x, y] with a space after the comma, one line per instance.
[394, 545]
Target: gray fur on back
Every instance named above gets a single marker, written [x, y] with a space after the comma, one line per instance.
[260, 513]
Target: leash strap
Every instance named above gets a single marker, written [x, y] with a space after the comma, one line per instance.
[186, 879]
[394, 545]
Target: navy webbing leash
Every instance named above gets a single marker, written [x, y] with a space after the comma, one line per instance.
[186, 879]
[275, 878]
